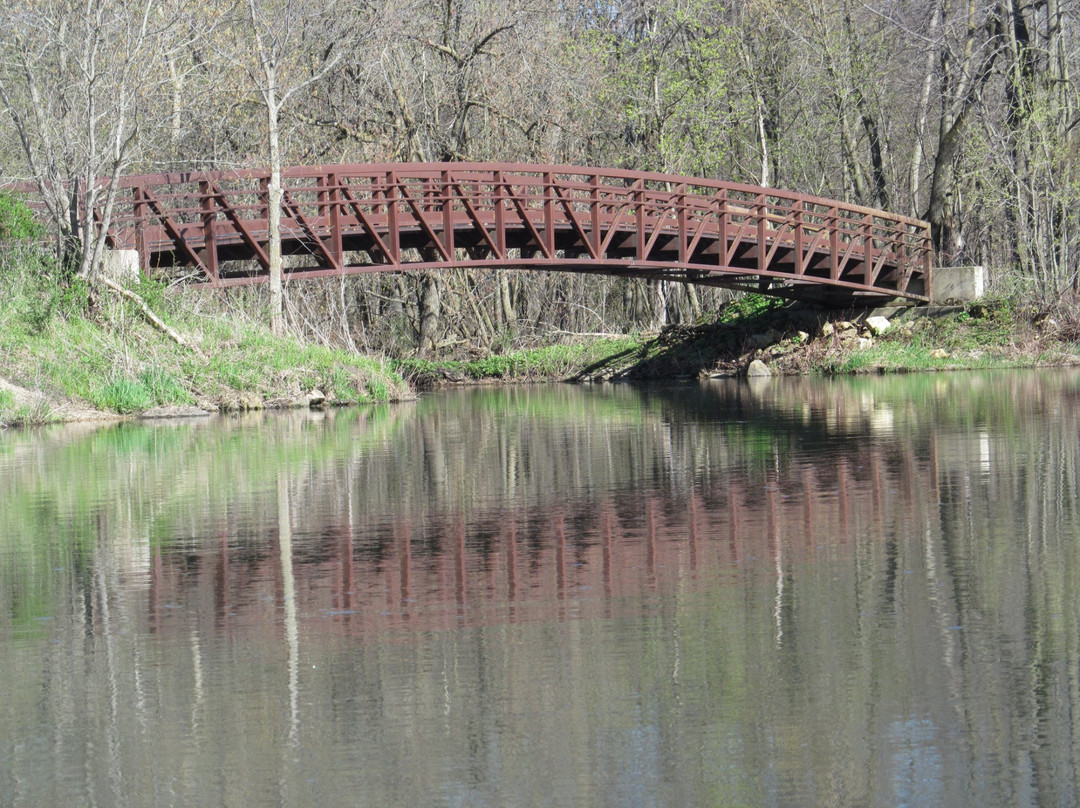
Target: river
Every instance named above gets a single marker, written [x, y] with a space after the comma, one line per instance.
[793, 593]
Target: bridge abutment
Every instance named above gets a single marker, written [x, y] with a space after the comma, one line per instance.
[958, 284]
[121, 266]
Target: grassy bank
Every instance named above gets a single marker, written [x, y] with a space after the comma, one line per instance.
[788, 340]
[67, 355]
[672, 353]
[992, 333]
[561, 362]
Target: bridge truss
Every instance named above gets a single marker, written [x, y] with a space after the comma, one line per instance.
[212, 228]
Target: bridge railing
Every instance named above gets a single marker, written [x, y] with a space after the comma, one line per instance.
[399, 216]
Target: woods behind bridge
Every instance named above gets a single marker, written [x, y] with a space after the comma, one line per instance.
[963, 114]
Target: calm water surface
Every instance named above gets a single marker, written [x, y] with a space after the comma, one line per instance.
[802, 593]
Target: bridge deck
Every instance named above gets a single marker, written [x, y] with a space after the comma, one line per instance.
[348, 219]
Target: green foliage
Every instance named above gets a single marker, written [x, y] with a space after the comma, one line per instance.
[378, 390]
[153, 387]
[747, 307]
[988, 334]
[550, 362]
[493, 367]
[115, 361]
[163, 388]
[32, 294]
[152, 292]
[123, 396]
[251, 359]
[673, 90]
[54, 297]
[17, 222]
[988, 324]
[884, 356]
[34, 414]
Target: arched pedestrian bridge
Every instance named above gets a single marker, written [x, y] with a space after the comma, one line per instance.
[350, 219]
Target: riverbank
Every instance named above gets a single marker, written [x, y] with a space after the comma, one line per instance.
[153, 354]
[68, 356]
[756, 335]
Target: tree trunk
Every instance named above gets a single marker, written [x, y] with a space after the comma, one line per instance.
[430, 306]
[506, 300]
[914, 178]
[273, 211]
[962, 83]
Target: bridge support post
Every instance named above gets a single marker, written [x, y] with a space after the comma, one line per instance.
[333, 208]
[639, 220]
[393, 234]
[500, 215]
[834, 243]
[797, 236]
[206, 206]
[447, 206]
[761, 211]
[549, 215]
[682, 218]
[722, 215]
[594, 215]
[868, 249]
[139, 209]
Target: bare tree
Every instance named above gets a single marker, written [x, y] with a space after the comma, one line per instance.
[79, 81]
[966, 64]
[296, 45]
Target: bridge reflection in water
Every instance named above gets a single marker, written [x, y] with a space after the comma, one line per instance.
[451, 552]
[349, 219]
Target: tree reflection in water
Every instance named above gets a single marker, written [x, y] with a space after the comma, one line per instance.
[856, 592]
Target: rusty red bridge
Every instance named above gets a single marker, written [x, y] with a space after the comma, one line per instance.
[212, 227]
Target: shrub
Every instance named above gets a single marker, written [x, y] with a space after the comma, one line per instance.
[378, 390]
[747, 306]
[17, 222]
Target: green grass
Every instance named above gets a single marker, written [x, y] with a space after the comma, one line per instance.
[153, 387]
[14, 414]
[748, 308]
[123, 396]
[887, 357]
[252, 360]
[551, 362]
[164, 388]
[988, 334]
[109, 357]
